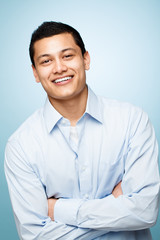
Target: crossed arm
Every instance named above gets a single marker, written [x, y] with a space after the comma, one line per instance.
[135, 209]
[117, 191]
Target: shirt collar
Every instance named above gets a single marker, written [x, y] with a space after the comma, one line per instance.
[51, 116]
[93, 108]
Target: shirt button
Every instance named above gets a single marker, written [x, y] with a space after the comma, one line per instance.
[86, 196]
[63, 121]
[83, 168]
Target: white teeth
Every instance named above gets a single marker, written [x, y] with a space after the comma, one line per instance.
[62, 79]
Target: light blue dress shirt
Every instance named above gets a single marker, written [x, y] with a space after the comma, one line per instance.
[112, 142]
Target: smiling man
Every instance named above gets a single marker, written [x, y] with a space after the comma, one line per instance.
[81, 167]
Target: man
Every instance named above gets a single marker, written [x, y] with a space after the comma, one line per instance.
[82, 167]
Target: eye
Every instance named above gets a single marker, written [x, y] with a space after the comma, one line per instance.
[68, 56]
[46, 61]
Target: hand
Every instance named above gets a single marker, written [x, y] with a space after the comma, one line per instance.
[117, 191]
[51, 204]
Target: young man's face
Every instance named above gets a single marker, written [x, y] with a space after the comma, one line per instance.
[60, 66]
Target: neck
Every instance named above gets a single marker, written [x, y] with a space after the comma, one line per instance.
[73, 108]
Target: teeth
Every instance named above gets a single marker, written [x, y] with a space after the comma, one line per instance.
[62, 79]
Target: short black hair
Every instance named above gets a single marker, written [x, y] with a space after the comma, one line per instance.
[48, 29]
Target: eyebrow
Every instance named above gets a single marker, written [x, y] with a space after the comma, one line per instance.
[66, 49]
[63, 50]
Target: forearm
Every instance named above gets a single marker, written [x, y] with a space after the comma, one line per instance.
[111, 214]
[57, 230]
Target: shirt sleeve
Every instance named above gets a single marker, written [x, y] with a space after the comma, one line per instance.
[137, 208]
[29, 202]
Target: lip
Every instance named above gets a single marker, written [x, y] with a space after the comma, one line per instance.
[63, 82]
[62, 77]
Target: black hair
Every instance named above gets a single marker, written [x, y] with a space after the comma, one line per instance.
[48, 29]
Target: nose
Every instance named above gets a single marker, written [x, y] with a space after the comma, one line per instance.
[59, 66]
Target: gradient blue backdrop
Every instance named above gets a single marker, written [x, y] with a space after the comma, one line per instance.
[123, 38]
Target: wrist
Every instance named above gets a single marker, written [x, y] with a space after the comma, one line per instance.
[51, 205]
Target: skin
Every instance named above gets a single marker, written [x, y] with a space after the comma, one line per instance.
[57, 57]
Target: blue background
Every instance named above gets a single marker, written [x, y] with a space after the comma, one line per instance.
[123, 38]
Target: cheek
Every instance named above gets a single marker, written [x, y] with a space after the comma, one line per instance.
[78, 68]
[82, 72]
[44, 73]
[77, 64]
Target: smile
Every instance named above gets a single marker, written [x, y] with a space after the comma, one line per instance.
[62, 79]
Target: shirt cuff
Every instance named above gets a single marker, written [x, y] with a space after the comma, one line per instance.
[66, 210]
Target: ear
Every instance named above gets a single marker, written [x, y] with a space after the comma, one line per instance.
[86, 57]
[35, 74]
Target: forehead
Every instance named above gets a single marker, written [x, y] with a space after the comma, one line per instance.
[55, 44]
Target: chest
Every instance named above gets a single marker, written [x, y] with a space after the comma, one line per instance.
[91, 171]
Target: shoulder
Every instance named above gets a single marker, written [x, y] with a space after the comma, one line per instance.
[123, 114]
[120, 108]
[29, 128]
